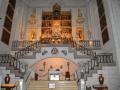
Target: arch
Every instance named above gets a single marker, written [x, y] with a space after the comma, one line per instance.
[43, 66]
[73, 61]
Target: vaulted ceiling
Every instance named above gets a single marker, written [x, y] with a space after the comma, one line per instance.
[49, 3]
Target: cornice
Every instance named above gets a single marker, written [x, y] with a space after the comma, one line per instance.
[39, 4]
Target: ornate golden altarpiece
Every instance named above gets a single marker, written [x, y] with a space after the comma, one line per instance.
[56, 26]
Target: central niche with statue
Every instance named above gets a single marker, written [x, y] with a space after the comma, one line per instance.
[56, 26]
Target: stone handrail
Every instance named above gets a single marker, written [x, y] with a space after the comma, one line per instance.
[21, 53]
[100, 59]
[18, 45]
[26, 80]
[90, 43]
[95, 61]
[13, 60]
[17, 65]
[86, 51]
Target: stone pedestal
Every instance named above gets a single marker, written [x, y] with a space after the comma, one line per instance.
[100, 87]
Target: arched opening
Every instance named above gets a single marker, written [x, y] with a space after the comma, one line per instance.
[55, 69]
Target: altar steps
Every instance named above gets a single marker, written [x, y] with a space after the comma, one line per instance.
[59, 85]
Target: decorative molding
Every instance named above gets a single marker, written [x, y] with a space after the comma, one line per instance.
[54, 51]
[44, 52]
[64, 52]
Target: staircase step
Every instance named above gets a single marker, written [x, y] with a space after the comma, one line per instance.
[53, 88]
[2, 68]
[21, 75]
[10, 68]
[98, 67]
[59, 85]
[14, 71]
[108, 64]
[3, 64]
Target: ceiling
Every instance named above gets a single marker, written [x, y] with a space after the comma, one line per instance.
[49, 3]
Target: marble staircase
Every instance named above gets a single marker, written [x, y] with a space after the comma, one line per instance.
[91, 66]
[15, 67]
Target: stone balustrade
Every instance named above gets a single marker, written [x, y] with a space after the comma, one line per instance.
[18, 45]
